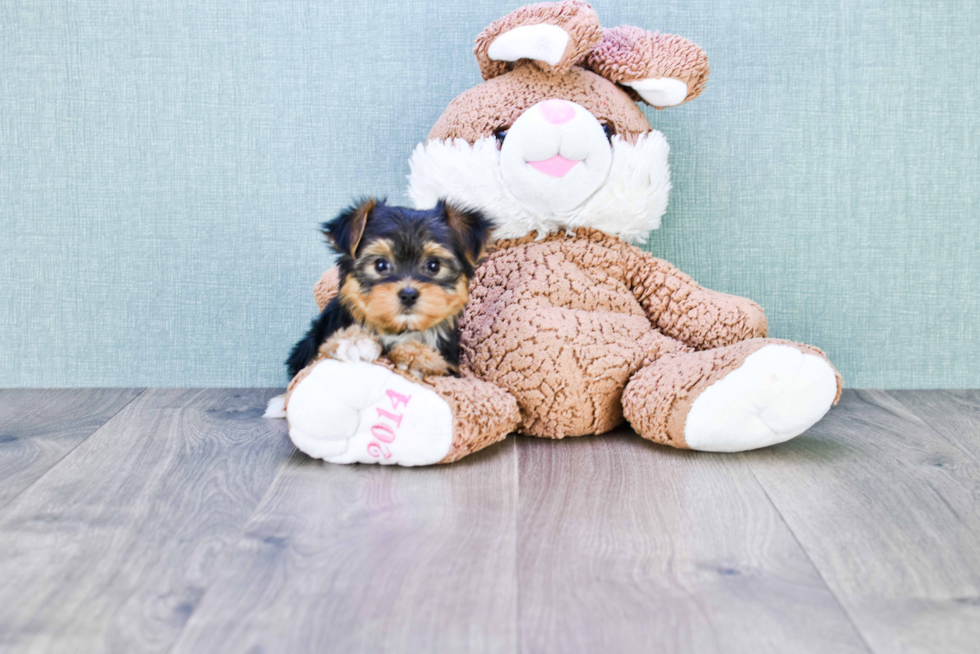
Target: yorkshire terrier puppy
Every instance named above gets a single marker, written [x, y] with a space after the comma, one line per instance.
[404, 280]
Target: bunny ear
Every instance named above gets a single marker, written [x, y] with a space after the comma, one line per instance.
[663, 70]
[555, 36]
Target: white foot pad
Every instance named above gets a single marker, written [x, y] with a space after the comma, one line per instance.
[776, 394]
[363, 413]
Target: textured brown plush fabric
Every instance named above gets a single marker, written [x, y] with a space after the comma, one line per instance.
[483, 414]
[574, 16]
[628, 54]
[658, 398]
[564, 322]
[327, 287]
[569, 334]
[617, 55]
[496, 104]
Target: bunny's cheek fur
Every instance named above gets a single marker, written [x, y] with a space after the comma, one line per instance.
[628, 203]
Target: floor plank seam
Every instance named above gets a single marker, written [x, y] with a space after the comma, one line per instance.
[64, 456]
[232, 548]
[928, 425]
[517, 543]
[816, 568]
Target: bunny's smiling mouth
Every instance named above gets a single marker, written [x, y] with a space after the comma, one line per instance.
[556, 166]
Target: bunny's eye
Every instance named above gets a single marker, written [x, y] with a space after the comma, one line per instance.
[500, 134]
[609, 130]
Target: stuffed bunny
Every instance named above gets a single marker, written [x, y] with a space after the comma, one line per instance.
[569, 329]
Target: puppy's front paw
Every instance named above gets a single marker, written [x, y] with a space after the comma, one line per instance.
[419, 359]
[361, 349]
[351, 345]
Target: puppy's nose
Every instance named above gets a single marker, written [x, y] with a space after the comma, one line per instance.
[408, 295]
[557, 111]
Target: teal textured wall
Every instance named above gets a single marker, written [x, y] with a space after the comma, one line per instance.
[163, 166]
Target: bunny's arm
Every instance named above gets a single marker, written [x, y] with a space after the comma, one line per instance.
[327, 287]
[681, 308]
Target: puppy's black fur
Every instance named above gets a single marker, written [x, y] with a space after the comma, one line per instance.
[382, 252]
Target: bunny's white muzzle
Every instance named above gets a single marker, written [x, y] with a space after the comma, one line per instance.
[555, 156]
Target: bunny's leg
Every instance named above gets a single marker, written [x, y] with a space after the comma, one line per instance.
[744, 396]
[357, 412]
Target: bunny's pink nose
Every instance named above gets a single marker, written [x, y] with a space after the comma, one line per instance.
[557, 112]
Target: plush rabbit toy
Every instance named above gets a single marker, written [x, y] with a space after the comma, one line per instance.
[570, 329]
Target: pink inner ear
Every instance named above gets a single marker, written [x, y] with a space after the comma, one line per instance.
[556, 166]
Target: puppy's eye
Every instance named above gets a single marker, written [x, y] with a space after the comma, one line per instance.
[500, 134]
[432, 266]
[609, 130]
[382, 265]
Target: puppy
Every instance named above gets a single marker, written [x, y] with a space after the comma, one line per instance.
[404, 280]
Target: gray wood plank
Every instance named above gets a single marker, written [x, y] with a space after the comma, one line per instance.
[372, 559]
[112, 550]
[40, 426]
[626, 546]
[889, 512]
[953, 414]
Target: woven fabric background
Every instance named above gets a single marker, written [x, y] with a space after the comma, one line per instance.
[163, 166]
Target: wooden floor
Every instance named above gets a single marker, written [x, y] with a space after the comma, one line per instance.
[181, 521]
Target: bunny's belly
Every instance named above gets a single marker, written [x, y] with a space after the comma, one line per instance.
[567, 368]
[555, 323]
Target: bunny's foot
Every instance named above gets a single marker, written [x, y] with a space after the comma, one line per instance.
[742, 397]
[356, 412]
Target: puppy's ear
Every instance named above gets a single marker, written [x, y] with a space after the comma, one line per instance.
[471, 229]
[345, 231]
